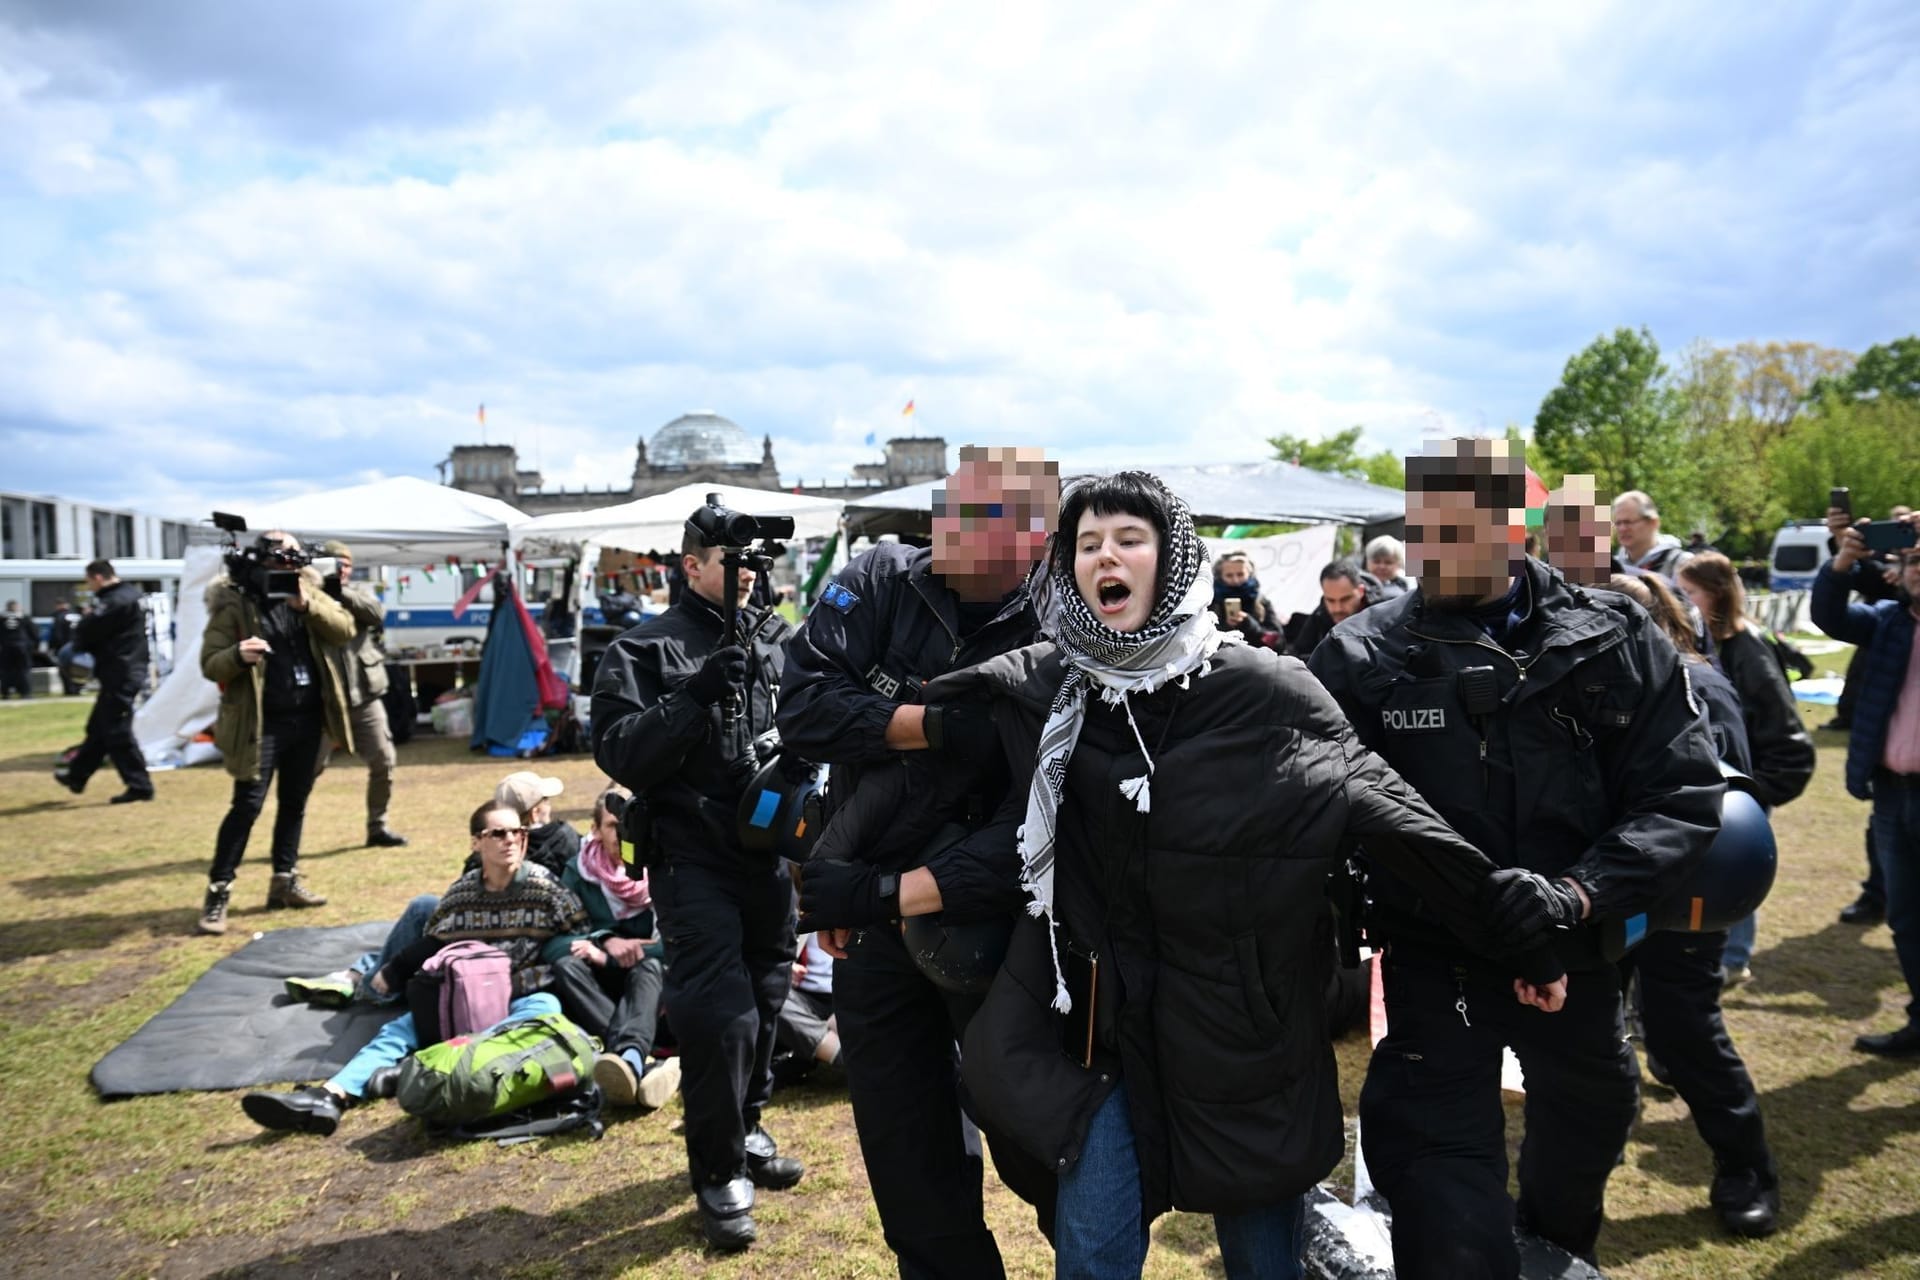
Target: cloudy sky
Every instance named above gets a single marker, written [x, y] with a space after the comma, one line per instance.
[249, 249]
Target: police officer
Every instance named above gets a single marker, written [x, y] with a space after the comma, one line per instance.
[1552, 726]
[115, 633]
[676, 709]
[893, 619]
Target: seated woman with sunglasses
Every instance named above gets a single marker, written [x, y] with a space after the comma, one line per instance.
[542, 915]
[1157, 1034]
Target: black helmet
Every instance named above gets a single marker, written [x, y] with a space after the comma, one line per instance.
[1725, 886]
[961, 958]
[780, 809]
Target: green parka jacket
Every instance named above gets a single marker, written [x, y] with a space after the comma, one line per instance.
[232, 616]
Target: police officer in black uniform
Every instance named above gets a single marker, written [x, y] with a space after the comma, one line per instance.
[676, 711]
[894, 619]
[115, 633]
[1553, 727]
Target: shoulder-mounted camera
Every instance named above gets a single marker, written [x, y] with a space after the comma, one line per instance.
[267, 570]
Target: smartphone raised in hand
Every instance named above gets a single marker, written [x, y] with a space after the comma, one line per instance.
[1840, 498]
[1888, 535]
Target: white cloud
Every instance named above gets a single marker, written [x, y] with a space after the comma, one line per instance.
[1146, 234]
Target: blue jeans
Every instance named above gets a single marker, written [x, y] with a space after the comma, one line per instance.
[1896, 847]
[393, 1042]
[1740, 938]
[1100, 1234]
[406, 931]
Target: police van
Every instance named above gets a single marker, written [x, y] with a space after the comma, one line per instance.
[1799, 549]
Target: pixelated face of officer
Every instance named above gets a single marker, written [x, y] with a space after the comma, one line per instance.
[1466, 520]
[991, 519]
[1579, 532]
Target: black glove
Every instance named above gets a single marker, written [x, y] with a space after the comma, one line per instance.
[964, 730]
[837, 894]
[1526, 909]
[724, 669]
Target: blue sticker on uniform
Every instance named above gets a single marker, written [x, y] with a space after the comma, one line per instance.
[1636, 929]
[838, 597]
[765, 808]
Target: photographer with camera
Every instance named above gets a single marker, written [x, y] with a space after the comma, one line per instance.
[677, 706]
[272, 644]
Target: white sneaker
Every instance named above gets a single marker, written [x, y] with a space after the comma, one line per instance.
[660, 1083]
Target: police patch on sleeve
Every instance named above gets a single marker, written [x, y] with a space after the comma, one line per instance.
[838, 597]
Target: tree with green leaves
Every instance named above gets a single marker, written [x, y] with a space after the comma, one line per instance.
[1340, 454]
[1866, 445]
[1890, 370]
[1616, 416]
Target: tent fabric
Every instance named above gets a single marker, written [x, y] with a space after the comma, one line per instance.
[400, 520]
[511, 689]
[186, 701]
[656, 523]
[237, 1026]
[1256, 492]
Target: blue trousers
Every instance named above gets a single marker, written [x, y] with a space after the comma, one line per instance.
[1896, 846]
[406, 931]
[398, 1038]
[1101, 1234]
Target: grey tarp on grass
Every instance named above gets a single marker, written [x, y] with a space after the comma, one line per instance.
[237, 1026]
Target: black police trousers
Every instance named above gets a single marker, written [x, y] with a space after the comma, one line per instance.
[110, 737]
[899, 1044]
[726, 922]
[1432, 1125]
[1680, 1013]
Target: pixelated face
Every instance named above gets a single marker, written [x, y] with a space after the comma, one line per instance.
[1116, 562]
[1579, 533]
[707, 574]
[991, 519]
[1461, 551]
[1343, 597]
[1635, 529]
[1235, 572]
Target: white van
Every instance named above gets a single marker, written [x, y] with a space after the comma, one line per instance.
[1799, 549]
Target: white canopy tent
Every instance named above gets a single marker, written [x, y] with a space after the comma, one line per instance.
[401, 520]
[655, 523]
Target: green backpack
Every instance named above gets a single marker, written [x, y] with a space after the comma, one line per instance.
[518, 1063]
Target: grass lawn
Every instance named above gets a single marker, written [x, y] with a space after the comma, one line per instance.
[97, 906]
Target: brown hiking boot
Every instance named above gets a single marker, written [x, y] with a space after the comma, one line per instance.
[288, 890]
[213, 913]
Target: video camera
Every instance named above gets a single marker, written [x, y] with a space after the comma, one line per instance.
[267, 570]
[751, 542]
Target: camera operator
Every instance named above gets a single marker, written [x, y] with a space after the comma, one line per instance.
[272, 643]
[366, 678]
[677, 705]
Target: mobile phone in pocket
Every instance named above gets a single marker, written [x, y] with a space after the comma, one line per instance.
[1081, 969]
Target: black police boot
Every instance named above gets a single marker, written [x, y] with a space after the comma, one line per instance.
[726, 1213]
[766, 1166]
[382, 838]
[1746, 1201]
[1864, 910]
[1904, 1043]
[132, 795]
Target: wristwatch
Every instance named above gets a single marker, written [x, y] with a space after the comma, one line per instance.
[889, 896]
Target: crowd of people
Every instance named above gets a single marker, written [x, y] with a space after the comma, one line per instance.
[1073, 890]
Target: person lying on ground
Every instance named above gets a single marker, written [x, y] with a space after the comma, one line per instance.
[507, 903]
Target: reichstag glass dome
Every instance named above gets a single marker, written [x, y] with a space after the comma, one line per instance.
[702, 439]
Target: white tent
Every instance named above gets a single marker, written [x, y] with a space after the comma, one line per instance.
[655, 523]
[400, 520]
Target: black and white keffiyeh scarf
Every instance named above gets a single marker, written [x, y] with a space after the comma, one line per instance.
[1177, 642]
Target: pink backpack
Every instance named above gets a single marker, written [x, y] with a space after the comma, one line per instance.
[463, 988]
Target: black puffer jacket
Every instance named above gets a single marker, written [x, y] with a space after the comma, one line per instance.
[1783, 756]
[1209, 917]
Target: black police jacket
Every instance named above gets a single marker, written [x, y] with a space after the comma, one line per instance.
[115, 633]
[884, 627]
[1592, 762]
[1209, 917]
[652, 737]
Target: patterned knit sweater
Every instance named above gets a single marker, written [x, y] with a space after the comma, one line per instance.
[520, 920]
